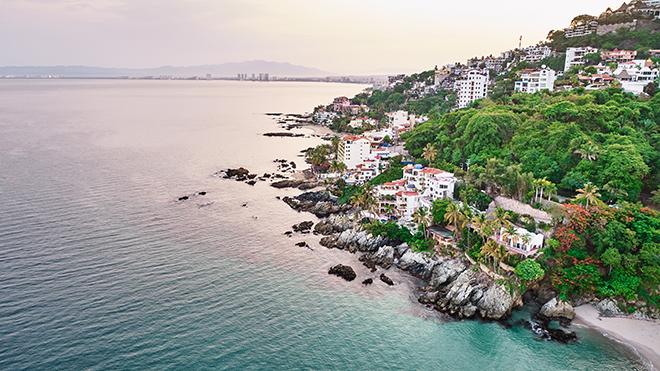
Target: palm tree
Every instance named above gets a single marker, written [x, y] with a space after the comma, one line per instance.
[488, 249]
[467, 217]
[588, 150]
[429, 152]
[509, 235]
[422, 217]
[500, 254]
[337, 166]
[589, 192]
[480, 223]
[335, 145]
[454, 216]
[550, 189]
[390, 210]
[526, 238]
[501, 217]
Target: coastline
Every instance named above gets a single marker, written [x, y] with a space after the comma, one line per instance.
[643, 336]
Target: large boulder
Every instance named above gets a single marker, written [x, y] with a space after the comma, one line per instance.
[556, 308]
[416, 263]
[498, 302]
[343, 271]
[354, 241]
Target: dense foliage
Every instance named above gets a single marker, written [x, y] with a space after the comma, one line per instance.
[606, 137]
[608, 251]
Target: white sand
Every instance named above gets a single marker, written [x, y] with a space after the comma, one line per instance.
[644, 336]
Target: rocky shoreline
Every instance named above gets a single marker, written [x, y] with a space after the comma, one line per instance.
[454, 286]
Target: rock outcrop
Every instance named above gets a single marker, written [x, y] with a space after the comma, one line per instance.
[383, 257]
[557, 309]
[303, 226]
[319, 203]
[472, 293]
[333, 224]
[354, 241]
[416, 263]
[447, 271]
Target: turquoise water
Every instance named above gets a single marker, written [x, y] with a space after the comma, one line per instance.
[101, 268]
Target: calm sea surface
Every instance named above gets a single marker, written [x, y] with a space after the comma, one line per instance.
[101, 268]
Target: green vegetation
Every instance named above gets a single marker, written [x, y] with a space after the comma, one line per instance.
[623, 38]
[606, 137]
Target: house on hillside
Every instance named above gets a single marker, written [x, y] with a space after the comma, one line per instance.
[522, 242]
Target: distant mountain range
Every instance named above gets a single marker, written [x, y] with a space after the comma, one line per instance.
[231, 69]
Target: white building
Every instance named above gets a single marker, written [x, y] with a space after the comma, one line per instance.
[472, 85]
[532, 80]
[574, 56]
[536, 53]
[353, 150]
[518, 244]
[324, 117]
[582, 30]
[419, 187]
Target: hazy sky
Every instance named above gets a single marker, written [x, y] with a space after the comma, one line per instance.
[340, 36]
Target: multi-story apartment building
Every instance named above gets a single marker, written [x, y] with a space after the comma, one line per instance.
[535, 54]
[472, 85]
[582, 30]
[532, 80]
[353, 150]
[574, 56]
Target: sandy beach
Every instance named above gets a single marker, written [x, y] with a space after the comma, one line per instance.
[644, 336]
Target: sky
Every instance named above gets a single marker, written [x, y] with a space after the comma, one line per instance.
[339, 36]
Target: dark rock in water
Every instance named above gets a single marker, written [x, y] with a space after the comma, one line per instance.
[304, 226]
[277, 197]
[183, 198]
[287, 183]
[293, 165]
[251, 182]
[386, 279]
[302, 244]
[239, 173]
[266, 175]
[201, 193]
[288, 233]
[308, 185]
[368, 281]
[283, 135]
[343, 271]
[252, 176]
[540, 325]
[280, 176]
[244, 204]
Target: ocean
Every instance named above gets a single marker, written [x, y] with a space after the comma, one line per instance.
[102, 268]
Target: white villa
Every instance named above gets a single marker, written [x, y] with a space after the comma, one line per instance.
[517, 244]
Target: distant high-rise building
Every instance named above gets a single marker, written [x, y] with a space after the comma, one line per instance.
[208, 76]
